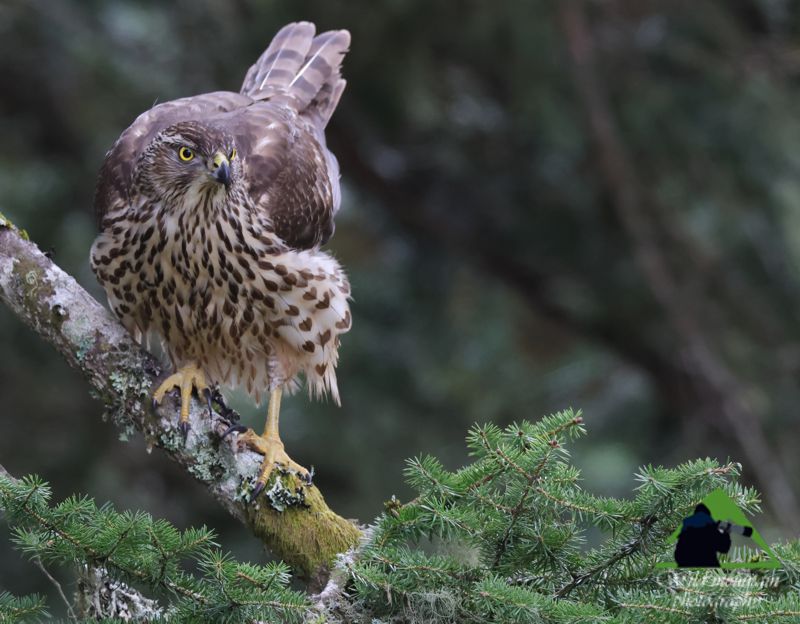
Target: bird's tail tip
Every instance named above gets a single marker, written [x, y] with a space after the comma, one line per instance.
[303, 67]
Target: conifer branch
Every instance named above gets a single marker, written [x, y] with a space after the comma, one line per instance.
[543, 575]
[21, 609]
[114, 546]
[626, 551]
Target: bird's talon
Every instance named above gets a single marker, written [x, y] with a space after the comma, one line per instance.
[257, 490]
[271, 448]
[233, 429]
[207, 394]
[183, 381]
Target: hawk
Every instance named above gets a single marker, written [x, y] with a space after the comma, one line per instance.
[212, 210]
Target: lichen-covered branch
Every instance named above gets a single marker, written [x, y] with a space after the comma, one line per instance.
[292, 519]
[98, 595]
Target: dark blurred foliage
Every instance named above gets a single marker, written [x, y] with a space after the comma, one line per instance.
[545, 205]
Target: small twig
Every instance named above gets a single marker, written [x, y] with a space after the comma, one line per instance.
[38, 563]
[625, 551]
[515, 513]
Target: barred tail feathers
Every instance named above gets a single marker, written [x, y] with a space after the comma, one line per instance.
[305, 68]
[280, 62]
[319, 82]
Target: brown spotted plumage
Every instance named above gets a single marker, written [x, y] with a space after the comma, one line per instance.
[212, 211]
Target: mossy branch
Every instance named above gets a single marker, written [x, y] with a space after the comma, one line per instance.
[307, 535]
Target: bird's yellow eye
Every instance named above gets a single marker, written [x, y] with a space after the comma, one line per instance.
[233, 154]
[185, 154]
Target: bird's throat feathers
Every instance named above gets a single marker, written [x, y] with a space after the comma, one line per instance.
[206, 200]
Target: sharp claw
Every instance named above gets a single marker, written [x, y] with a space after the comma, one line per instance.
[183, 427]
[257, 490]
[207, 393]
[309, 476]
[232, 429]
[155, 404]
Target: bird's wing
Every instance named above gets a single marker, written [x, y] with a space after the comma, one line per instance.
[290, 175]
[116, 175]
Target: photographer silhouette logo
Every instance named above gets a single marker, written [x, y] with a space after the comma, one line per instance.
[704, 538]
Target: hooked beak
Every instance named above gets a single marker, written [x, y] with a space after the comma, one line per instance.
[221, 169]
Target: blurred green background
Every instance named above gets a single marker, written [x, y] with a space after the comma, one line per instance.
[587, 204]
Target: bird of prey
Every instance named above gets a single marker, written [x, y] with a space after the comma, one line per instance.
[212, 210]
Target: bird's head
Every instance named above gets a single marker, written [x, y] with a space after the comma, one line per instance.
[190, 160]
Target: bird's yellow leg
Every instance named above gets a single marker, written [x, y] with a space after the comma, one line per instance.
[186, 378]
[269, 445]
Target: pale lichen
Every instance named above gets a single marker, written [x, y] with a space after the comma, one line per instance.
[280, 497]
[100, 596]
[171, 439]
[244, 489]
[207, 465]
[84, 347]
[33, 288]
[119, 381]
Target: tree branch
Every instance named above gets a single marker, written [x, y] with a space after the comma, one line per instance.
[99, 596]
[306, 535]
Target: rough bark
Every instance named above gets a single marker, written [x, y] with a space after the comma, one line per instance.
[292, 519]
